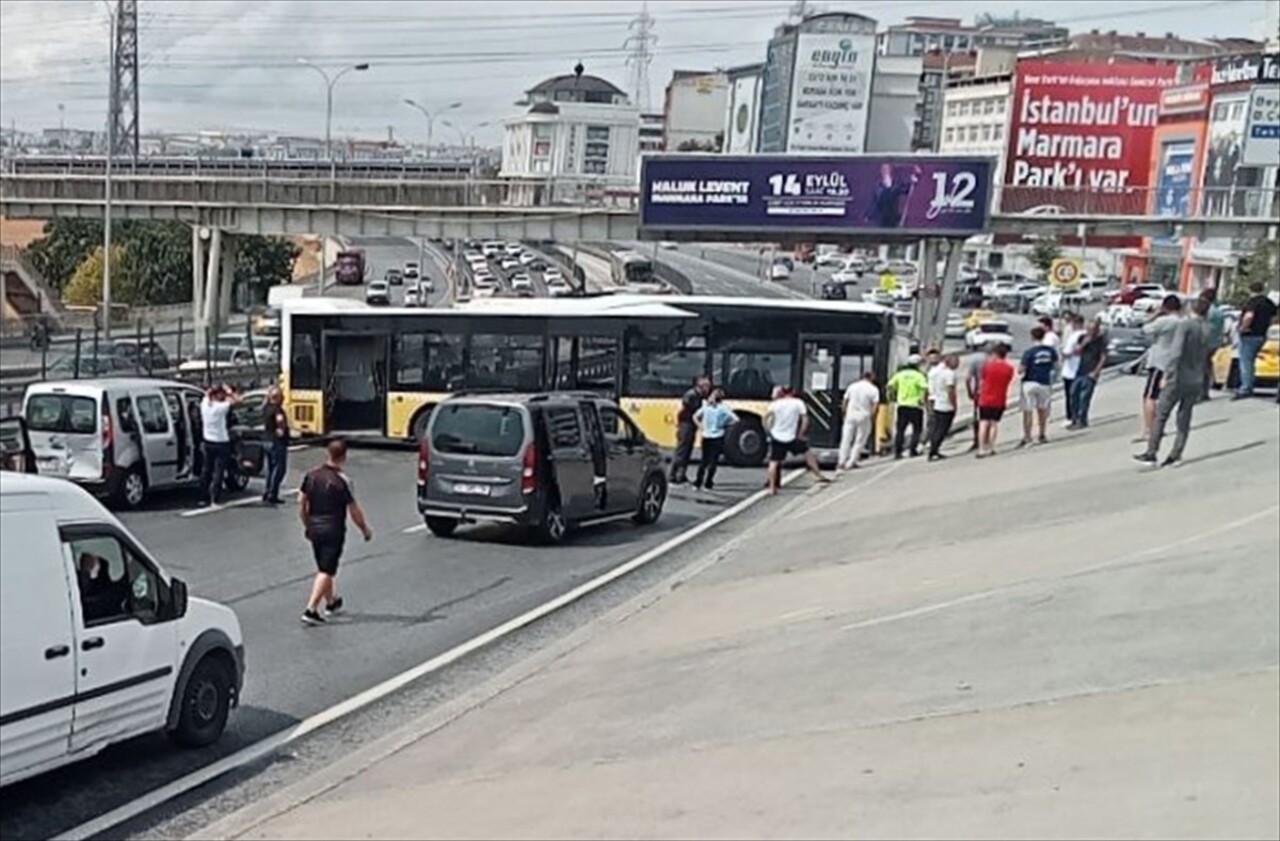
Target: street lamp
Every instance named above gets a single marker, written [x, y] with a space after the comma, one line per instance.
[466, 137]
[431, 118]
[330, 81]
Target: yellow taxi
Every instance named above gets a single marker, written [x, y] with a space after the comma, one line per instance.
[1226, 363]
[976, 317]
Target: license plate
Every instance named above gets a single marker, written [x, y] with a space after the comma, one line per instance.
[51, 466]
[471, 490]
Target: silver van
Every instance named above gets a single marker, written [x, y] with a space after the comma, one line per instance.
[547, 462]
[122, 438]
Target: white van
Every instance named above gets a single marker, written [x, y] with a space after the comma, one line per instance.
[97, 643]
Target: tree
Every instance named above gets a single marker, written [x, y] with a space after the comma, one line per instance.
[158, 261]
[85, 287]
[65, 245]
[1259, 266]
[692, 145]
[263, 262]
[1043, 253]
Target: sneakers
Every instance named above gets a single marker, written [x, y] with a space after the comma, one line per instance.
[1145, 458]
[334, 606]
[1171, 462]
[310, 617]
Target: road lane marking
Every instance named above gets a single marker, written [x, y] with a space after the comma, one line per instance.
[1113, 562]
[269, 745]
[839, 495]
[235, 503]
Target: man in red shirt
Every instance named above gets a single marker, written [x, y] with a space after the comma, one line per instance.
[993, 397]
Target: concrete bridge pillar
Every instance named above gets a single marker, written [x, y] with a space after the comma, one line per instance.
[198, 254]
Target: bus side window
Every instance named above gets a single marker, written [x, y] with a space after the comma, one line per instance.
[304, 362]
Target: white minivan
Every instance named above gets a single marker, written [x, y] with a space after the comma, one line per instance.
[97, 643]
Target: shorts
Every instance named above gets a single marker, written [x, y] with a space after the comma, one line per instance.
[1155, 382]
[779, 450]
[328, 551]
[990, 413]
[1036, 396]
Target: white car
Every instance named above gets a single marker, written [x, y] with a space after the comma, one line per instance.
[513, 249]
[558, 288]
[989, 333]
[411, 270]
[846, 275]
[553, 275]
[1144, 307]
[1118, 315]
[898, 267]
[521, 281]
[878, 296]
[955, 326]
[378, 292]
[412, 297]
[779, 271]
[509, 265]
[830, 258]
[526, 257]
[483, 280]
[668, 245]
[492, 248]
[100, 643]
[484, 291]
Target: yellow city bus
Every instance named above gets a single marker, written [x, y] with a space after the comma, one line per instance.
[354, 370]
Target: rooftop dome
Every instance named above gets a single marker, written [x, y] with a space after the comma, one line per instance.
[572, 88]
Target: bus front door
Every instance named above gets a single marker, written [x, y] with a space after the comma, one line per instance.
[356, 387]
[828, 367]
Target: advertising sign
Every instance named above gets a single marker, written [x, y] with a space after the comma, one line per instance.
[1064, 273]
[1227, 180]
[830, 90]
[1262, 127]
[1173, 185]
[1080, 135]
[1259, 67]
[897, 194]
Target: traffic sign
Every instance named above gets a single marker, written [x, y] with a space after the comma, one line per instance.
[1064, 273]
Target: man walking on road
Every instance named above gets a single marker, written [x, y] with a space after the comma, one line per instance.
[1185, 378]
[997, 374]
[942, 396]
[685, 429]
[906, 390]
[787, 421]
[1092, 356]
[215, 410]
[275, 423]
[1160, 330]
[326, 499]
[1038, 364]
[1255, 317]
[861, 400]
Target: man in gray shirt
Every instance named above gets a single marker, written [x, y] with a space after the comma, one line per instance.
[1160, 331]
[1183, 381]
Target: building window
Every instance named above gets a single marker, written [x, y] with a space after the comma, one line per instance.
[973, 134]
[986, 132]
[595, 157]
[989, 106]
[951, 136]
[999, 131]
[1000, 106]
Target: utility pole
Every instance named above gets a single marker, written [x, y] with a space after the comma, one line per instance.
[640, 42]
[113, 115]
[124, 75]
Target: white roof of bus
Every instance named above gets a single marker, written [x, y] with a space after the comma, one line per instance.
[810, 304]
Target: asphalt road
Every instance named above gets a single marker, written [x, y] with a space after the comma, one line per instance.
[382, 253]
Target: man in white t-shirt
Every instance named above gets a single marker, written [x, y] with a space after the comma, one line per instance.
[942, 397]
[787, 421]
[1070, 353]
[861, 400]
[1051, 338]
[215, 410]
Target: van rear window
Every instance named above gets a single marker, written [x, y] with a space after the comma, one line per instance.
[62, 413]
[479, 430]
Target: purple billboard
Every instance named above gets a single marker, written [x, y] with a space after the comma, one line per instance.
[717, 196]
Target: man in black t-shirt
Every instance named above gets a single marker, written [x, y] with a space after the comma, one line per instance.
[326, 498]
[686, 430]
[1255, 317]
[275, 428]
[1093, 356]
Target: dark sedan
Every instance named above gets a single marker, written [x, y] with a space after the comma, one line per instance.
[1127, 350]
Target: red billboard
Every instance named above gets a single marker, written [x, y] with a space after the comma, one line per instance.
[1080, 136]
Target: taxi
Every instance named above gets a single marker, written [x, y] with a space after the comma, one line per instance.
[1226, 363]
[976, 317]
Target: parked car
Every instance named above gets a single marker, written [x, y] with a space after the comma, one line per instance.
[267, 322]
[218, 357]
[1131, 293]
[989, 333]
[830, 258]
[89, 366]
[1119, 315]
[377, 293]
[393, 277]
[954, 328]
[1226, 363]
[1128, 350]
[123, 438]
[266, 349]
[146, 355]
[1144, 307]
[1056, 303]
[846, 275]
[546, 462]
[100, 643]
[16, 454]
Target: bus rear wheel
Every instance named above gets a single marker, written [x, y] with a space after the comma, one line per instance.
[745, 445]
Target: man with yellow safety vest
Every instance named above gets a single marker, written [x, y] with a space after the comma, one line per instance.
[907, 390]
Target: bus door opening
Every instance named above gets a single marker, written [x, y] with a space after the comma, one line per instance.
[828, 367]
[356, 383]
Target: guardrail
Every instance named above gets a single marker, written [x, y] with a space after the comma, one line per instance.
[246, 167]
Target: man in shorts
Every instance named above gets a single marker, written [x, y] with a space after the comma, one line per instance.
[787, 420]
[1037, 368]
[326, 499]
[993, 397]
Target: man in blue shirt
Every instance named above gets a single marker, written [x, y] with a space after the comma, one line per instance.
[713, 419]
[1039, 362]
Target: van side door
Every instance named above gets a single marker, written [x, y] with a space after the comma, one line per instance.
[37, 653]
[626, 458]
[159, 438]
[125, 645]
[571, 459]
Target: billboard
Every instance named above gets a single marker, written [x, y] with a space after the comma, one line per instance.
[1173, 180]
[778, 194]
[830, 92]
[1229, 185]
[1080, 135]
[1262, 127]
[743, 113]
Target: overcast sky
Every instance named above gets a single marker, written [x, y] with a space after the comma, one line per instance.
[232, 64]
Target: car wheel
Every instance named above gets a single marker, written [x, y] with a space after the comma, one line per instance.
[745, 446]
[441, 526]
[653, 495]
[132, 489]
[553, 528]
[205, 704]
